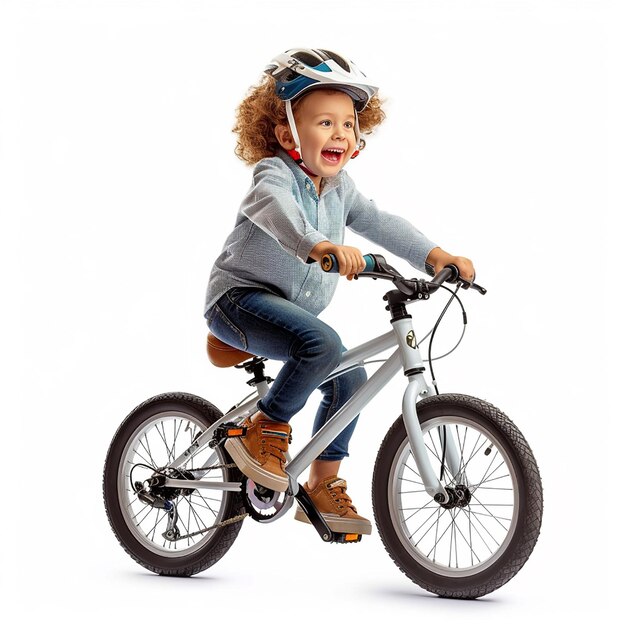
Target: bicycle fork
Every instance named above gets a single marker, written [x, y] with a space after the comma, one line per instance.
[416, 390]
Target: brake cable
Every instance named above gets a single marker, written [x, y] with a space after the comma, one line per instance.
[430, 360]
[436, 326]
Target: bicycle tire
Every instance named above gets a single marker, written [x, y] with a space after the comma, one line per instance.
[166, 559]
[473, 419]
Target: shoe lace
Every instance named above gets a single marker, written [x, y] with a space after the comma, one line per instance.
[340, 496]
[276, 445]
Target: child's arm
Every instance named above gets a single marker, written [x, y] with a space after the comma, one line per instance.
[270, 205]
[398, 235]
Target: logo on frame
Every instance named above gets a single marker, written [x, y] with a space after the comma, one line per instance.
[411, 341]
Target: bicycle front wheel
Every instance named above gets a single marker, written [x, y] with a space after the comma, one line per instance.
[169, 536]
[478, 541]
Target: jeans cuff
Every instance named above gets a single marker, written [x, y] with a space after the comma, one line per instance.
[261, 408]
[332, 456]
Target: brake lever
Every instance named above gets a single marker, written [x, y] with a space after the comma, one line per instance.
[466, 284]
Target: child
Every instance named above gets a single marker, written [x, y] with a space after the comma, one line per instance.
[299, 128]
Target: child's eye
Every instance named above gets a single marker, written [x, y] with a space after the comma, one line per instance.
[349, 125]
[326, 123]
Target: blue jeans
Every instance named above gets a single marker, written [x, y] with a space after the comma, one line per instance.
[270, 326]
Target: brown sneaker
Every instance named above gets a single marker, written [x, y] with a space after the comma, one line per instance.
[260, 454]
[335, 505]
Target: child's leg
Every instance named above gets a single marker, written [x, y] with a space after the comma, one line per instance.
[270, 326]
[327, 491]
[336, 393]
[320, 470]
[267, 325]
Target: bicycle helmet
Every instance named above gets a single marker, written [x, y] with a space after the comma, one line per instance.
[301, 70]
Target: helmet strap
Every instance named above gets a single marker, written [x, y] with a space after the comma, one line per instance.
[360, 144]
[295, 153]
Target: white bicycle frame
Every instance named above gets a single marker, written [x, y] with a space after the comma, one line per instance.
[407, 357]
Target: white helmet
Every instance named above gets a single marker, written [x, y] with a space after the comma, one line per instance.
[301, 70]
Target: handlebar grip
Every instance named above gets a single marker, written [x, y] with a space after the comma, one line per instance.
[450, 273]
[330, 264]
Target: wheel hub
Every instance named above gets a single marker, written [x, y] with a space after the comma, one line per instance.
[156, 485]
[459, 497]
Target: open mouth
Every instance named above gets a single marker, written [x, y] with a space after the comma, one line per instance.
[333, 155]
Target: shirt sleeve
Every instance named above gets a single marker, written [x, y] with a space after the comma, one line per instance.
[392, 232]
[270, 204]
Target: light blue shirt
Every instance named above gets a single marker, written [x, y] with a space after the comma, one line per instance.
[282, 218]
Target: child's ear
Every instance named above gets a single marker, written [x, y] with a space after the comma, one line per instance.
[284, 137]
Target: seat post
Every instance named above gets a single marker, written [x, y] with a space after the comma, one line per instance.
[256, 367]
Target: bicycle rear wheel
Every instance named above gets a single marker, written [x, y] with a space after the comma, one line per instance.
[149, 439]
[479, 540]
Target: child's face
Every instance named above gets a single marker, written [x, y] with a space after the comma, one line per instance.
[325, 123]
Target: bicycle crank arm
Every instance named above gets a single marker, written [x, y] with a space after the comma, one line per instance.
[319, 523]
[201, 484]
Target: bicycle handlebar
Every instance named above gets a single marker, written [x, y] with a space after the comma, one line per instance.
[377, 267]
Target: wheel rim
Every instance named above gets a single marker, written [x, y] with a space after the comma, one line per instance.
[464, 540]
[155, 443]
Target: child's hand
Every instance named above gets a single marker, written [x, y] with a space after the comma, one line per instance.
[438, 258]
[350, 259]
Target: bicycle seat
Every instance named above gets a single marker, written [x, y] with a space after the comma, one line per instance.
[223, 355]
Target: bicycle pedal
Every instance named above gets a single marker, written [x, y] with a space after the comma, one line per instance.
[227, 431]
[346, 538]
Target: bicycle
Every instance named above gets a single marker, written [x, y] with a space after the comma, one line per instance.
[456, 490]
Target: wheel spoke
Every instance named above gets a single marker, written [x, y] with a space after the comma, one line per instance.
[442, 534]
[422, 525]
[494, 479]
[471, 525]
[170, 457]
[205, 504]
[149, 462]
[153, 529]
[486, 474]
[176, 432]
[409, 467]
[463, 468]
[474, 499]
[469, 543]
[416, 482]
[505, 519]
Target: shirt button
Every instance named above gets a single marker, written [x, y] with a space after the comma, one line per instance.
[308, 294]
[308, 186]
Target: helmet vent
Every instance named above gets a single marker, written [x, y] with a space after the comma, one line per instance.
[340, 61]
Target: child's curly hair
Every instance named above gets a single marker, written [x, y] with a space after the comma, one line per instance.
[262, 110]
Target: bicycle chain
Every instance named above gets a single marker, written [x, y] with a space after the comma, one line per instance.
[226, 522]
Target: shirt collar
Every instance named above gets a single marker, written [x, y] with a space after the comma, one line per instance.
[329, 182]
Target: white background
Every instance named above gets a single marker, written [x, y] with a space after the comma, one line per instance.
[118, 185]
